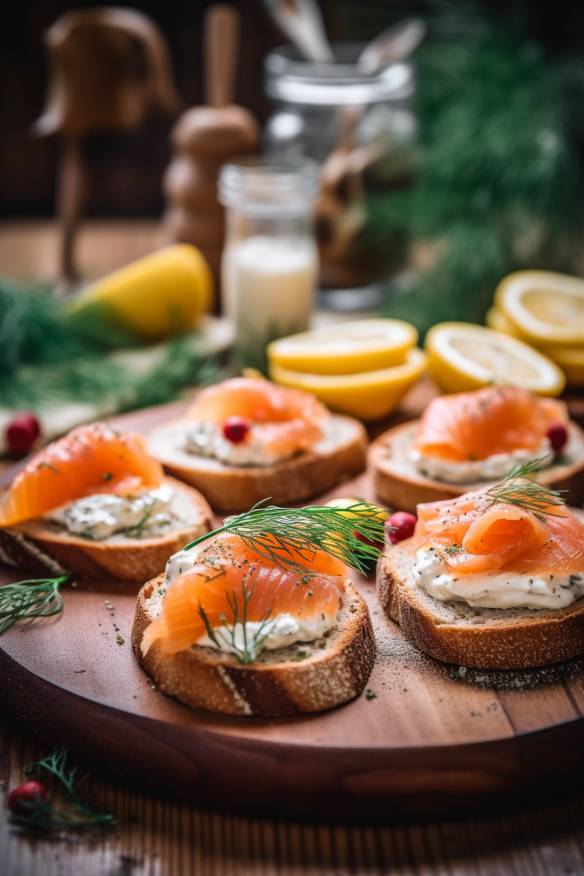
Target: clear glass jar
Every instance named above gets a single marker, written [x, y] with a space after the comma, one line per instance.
[362, 131]
[269, 269]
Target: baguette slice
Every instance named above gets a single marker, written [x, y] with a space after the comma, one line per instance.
[40, 547]
[399, 484]
[305, 677]
[341, 454]
[485, 638]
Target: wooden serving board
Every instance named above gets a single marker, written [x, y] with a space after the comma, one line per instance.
[426, 741]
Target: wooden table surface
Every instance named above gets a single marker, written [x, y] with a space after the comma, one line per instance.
[158, 837]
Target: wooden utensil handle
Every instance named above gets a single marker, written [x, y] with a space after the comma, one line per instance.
[221, 32]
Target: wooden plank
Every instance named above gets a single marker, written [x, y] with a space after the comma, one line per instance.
[163, 839]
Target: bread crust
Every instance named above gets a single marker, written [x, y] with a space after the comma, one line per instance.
[39, 549]
[398, 484]
[536, 638]
[237, 488]
[206, 679]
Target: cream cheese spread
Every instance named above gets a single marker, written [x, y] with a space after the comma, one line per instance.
[104, 514]
[499, 590]
[278, 631]
[469, 471]
[207, 439]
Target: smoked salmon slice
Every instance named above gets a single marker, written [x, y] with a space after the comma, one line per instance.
[90, 459]
[284, 420]
[226, 569]
[474, 534]
[475, 425]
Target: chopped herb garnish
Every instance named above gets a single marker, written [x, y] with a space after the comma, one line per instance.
[107, 476]
[370, 694]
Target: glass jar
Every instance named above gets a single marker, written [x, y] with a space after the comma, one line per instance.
[361, 129]
[269, 269]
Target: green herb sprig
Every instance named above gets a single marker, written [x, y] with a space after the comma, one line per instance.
[234, 636]
[520, 488]
[45, 816]
[27, 600]
[289, 537]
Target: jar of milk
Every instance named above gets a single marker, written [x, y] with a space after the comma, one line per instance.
[270, 263]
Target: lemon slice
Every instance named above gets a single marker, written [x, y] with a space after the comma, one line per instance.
[462, 356]
[571, 361]
[544, 307]
[371, 395]
[497, 320]
[346, 348]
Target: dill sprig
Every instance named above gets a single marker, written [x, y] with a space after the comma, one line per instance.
[233, 635]
[44, 816]
[520, 487]
[27, 600]
[289, 537]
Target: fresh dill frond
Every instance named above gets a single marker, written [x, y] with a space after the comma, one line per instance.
[289, 537]
[233, 635]
[27, 600]
[520, 488]
[44, 816]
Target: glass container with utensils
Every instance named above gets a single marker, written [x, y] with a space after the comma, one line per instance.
[270, 259]
[361, 129]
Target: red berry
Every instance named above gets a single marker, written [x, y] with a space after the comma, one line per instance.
[558, 436]
[26, 796]
[236, 429]
[401, 525]
[21, 433]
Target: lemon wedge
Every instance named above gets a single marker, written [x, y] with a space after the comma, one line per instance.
[462, 357]
[544, 307]
[346, 348]
[163, 294]
[370, 395]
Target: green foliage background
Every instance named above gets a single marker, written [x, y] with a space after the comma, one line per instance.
[499, 183]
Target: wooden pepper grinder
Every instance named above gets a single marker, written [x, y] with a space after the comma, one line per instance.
[205, 138]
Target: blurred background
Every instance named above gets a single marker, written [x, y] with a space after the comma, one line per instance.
[436, 147]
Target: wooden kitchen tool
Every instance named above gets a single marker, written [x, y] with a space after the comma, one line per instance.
[205, 138]
[109, 69]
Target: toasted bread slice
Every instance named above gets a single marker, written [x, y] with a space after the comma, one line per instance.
[341, 454]
[485, 638]
[399, 484]
[305, 677]
[42, 547]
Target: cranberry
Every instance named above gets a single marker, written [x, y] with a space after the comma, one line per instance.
[558, 436]
[401, 525]
[26, 796]
[236, 429]
[21, 433]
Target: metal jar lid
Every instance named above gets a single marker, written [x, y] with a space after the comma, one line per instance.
[291, 79]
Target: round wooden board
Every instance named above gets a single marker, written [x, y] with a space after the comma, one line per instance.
[426, 743]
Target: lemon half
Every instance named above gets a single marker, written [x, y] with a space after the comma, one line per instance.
[346, 348]
[544, 307]
[160, 295]
[370, 396]
[462, 357]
